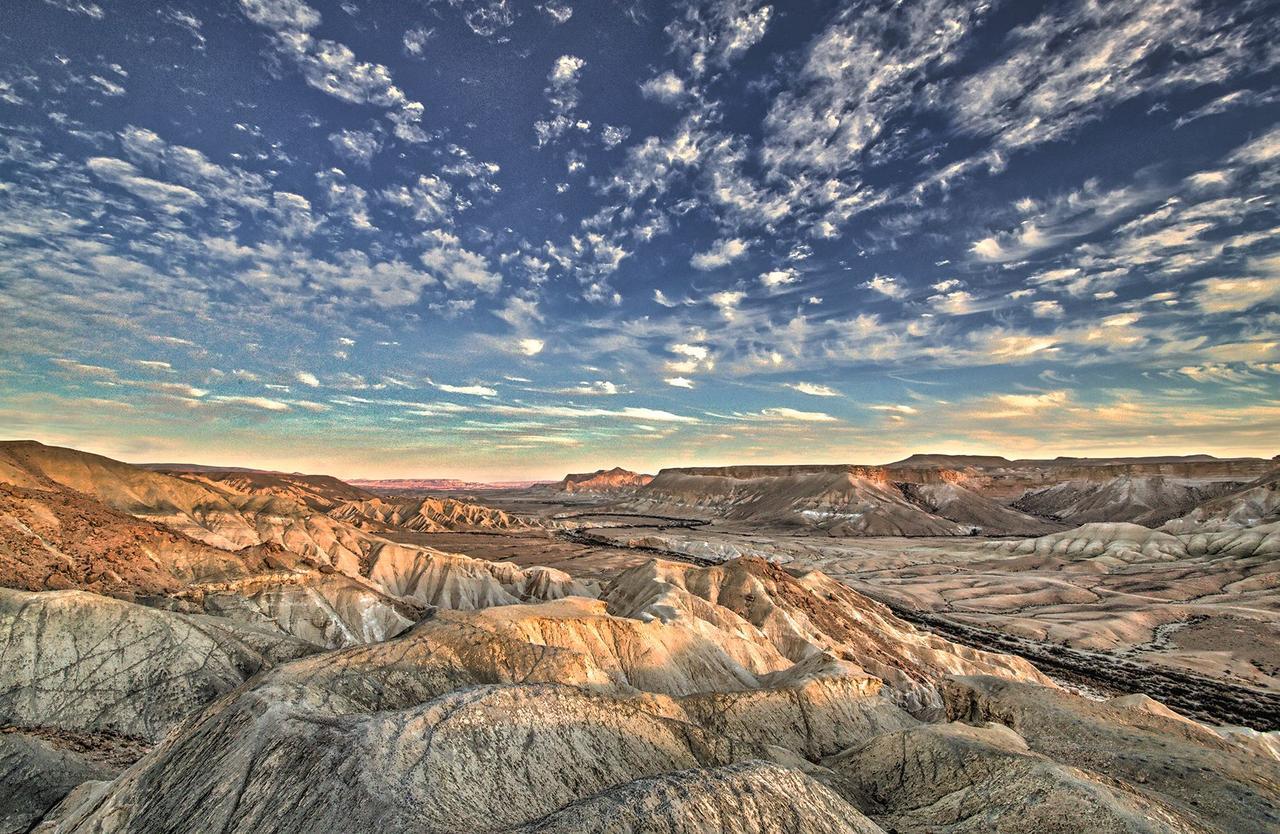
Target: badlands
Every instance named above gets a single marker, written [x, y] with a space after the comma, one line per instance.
[943, 644]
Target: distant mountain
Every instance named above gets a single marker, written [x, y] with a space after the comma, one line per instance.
[412, 485]
[604, 480]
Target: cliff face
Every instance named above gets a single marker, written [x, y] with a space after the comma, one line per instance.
[997, 477]
[939, 495]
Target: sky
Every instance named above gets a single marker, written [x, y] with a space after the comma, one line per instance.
[496, 239]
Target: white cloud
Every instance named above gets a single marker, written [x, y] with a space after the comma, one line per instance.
[792, 415]
[281, 14]
[679, 382]
[813, 389]
[667, 87]
[693, 358]
[415, 40]
[333, 68]
[456, 267]
[721, 253]
[887, 286]
[308, 378]
[776, 278]
[1022, 403]
[562, 94]
[1047, 310]
[264, 403]
[599, 387]
[347, 199]
[727, 302]
[612, 135]
[954, 303]
[470, 390]
[165, 196]
[530, 347]
[108, 87]
[356, 145]
[1234, 295]
[80, 7]
[558, 12]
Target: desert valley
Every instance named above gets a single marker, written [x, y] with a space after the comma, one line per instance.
[944, 644]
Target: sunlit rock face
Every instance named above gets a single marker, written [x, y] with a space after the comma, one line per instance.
[806, 616]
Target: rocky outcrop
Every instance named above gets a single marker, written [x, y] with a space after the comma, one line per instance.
[74, 520]
[838, 502]
[55, 538]
[616, 479]
[1103, 547]
[79, 661]
[330, 610]
[478, 721]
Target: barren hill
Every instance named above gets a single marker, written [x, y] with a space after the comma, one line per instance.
[319, 492]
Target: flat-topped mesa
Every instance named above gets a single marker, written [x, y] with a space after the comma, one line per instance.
[882, 474]
[997, 476]
[604, 480]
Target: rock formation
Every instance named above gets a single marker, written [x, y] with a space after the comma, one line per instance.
[612, 480]
[422, 515]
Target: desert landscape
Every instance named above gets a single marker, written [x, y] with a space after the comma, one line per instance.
[795, 648]
[640, 417]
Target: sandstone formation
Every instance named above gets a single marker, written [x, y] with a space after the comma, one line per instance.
[331, 610]
[246, 545]
[1254, 504]
[804, 617]
[843, 501]
[616, 479]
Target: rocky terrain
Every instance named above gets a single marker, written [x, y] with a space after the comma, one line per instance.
[230, 650]
[422, 515]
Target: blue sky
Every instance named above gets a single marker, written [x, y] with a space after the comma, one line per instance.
[497, 239]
